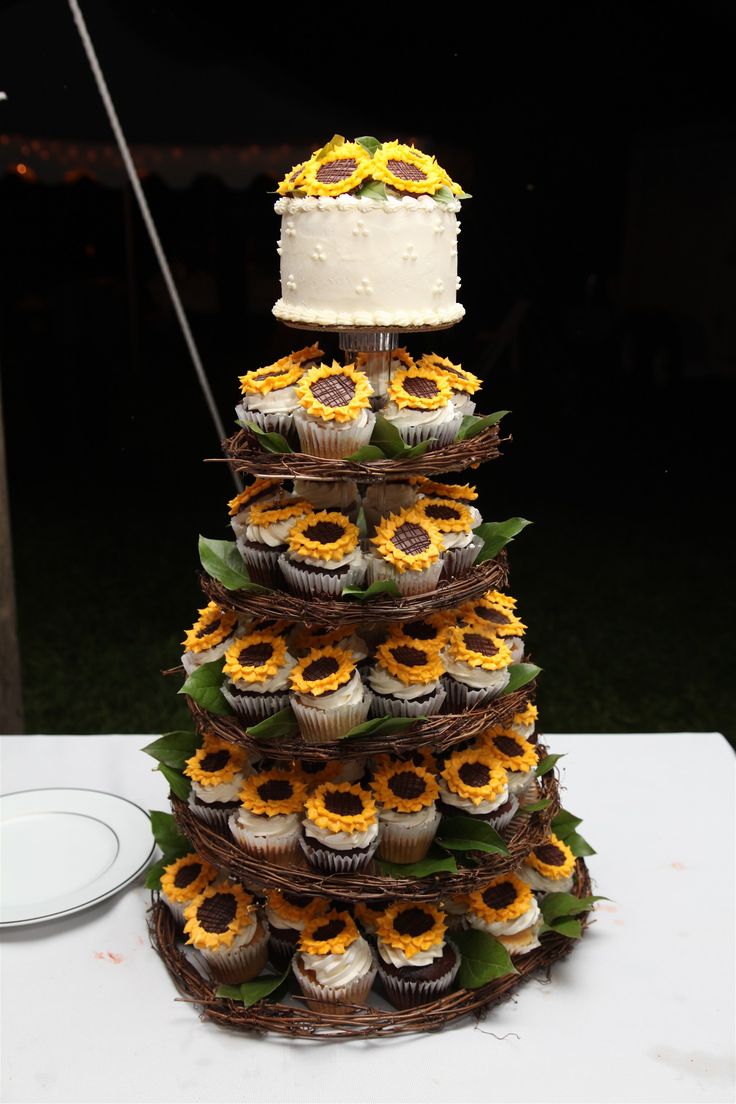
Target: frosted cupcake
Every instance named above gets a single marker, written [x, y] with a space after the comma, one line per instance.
[269, 393]
[383, 499]
[507, 909]
[420, 757]
[334, 964]
[463, 384]
[455, 522]
[408, 552]
[406, 680]
[333, 418]
[257, 668]
[313, 772]
[455, 907]
[302, 640]
[518, 758]
[266, 536]
[523, 723]
[472, 784]
[416, 963]
[408, 815]
[328, 695]
[183, 880]
[477, 664]
[367, 913]
[495, 612]
[432, 629]
[259, 491]
[457, 492]
[209, 637]
[336, 495]
[223, 925]
[217, 772]
[268, 822]
[323, 555]
[340, 830]
[287, 913]
[420, 406]
[549, 867]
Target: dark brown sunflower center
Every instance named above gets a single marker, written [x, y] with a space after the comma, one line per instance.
[334, 171]
[334, 390]
[330, 929]
[215, 761]
[275, 789]
[421, 630]
[442, 513]
[493, 615]
[411, 538]
[255, 655]
[343, 804]
[507, 745]
[499, 896]
[311, 766]
[324, 532]
[408, 656]
[185, 875]
[264, 373]
[453, 368]
[207, 629]
[421, 387]
[405, 170]
[474, 774]
[297, 899]
[550, 854]
[217, 912]
[407, 784]
[321, 668]
[480, 644]
[295, 173]
[413, 921]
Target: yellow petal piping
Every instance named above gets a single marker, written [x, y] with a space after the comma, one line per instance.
[323, 817]
[302, 544]
[328, 683]
[205, 940]
[256, 802]
[490, 790]
[211, 627]
[388, 799]
[387, 932]
[207, 873]
[403, 398]
[385, 542]
[461, 648]
[349, 411]
[522, 901]
[239, 672]
[428, 670]
[338, 943]
[548, 870]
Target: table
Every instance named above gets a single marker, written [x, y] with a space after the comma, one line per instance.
[643, 1010]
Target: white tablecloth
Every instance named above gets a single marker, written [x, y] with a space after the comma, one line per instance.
[643, 1010]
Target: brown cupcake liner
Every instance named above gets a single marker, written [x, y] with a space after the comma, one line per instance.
[338, 862]
[409, 994]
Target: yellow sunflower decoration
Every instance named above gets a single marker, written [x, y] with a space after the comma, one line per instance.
[293, 907]
[187, 877]
[526, 716]
[322, 670]
[336, 392]
[255, 657]
[292, 180]
[457, 376]
[404, 788]
[303, 639]
[505, 898]
[493, 613]
[257, 488]
[479, 647]
[276, 510]
[341, 807]
[406, 168]
[552, 859]
[368, 912]
[282, 373]
[433, 628]
[461, 491]
[215, 917]
[420, 757]
[419, 389]
[402, 358]
[512, 751]
[411, 926]
[328, 933]
[474, 775]
[211, 627]
[217, 761]
[411, 662]
[313, 772]
[408, 541]
[449, 517]
[341, 170]
[323, 535]
[275, 792]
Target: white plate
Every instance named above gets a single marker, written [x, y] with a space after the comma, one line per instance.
[66, 849]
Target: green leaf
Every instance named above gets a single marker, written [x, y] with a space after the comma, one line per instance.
[372, 189]
[281, 725]
[519, 675]
[434, 863]
[228, 992]
[470, 834]
[416, 450]
[174, 748]
[381, 586]
[271, 442]
[387, 437]
[569, 927]
[335, 141]
[496, 535]
[546, 765]
[383, 726]
[167, 835]
[250, 992]
[556, 905]
[153, 874]
[179, 784]
[222, 561]
[444, 195]
[484, 959]
[579, 846]
[471, 425]
[535, 806]
[367, 452]
[368, 143]
[203, 686]
[565, 823]
[362, 524]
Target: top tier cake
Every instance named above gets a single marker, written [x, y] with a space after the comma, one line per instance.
[369, 239]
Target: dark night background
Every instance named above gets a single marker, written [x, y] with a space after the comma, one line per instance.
[598, 259]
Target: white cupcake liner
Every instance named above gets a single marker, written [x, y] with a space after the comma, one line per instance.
[538, 881]
[190, 661]
[516, 644]
[321, 439]
[337, 862]
[323, 998]
[176, 908]
[383, 706]
[407, 994]
[443, 434]
[463, 402]
[460, 697]
[270, 423]
[500, 822]
[243, 964]
[262, 565]
[322, 726]
[459, 560]
[258, 708]
[408, 582]
[280, 851]
[307, 584]
[401, 844]
[520, 782]
[218, 818]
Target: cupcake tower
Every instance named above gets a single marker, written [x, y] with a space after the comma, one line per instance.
[364, 802]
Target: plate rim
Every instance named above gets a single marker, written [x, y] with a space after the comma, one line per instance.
[100, 897]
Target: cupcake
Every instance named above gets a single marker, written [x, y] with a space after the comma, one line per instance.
[323, 555]
[266, 536]
[259, 491]
[458, 492]
[269, 393]
[183, 880]
[313, 772]
[217, 771]
[351, 770]
[340, 828]
[209, 637]
[518, 758]
[223, 925]
[432, 628]
[257, 668]
[336, 495]
[368, 913]
[524, 722]
[473, 784]
[495, 612]
[455, 522]
[407, 679]
[419, 757]
[334, 964]
[420, 406]
[268, 822]
[416, 964]
[287, 913]
[455, 907]
[379, 366]
[408, 552]
[408, 816]
[383, 499]
[333, 418]
[477, 665]
[328, 695]
[549, 867]
[302, 640]
[507, 909]
[463, 384]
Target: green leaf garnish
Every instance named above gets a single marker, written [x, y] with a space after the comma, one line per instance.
[250, 992]
[222, 561]
[281, 725]
[167, 835]
[362, 525]
[372, 189]
[444, 195]
[179, 783]
[434, 863]
[383, 726]
[484, 959]
[519, 675]
[203, 686]
[174, 748]
[471, 425]
[381, 586]
[535, 806]
[335, 141]
[556, 905]
[367, 452]
[387, 437]
[468, 834]
[155, 872]
[568, 926]
[369, 144]
[496, 535]
[564, 826]
[271, 442]
[411, 452]
[547, 764]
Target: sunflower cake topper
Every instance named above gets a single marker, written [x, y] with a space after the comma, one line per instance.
[296, 908]
[217, 761]
[479, 647]
[336, 392]
[215, 917]
[494, 611]
[322, 670]
[408, 541]
[328, 933]
[502, 899]
[433, 628]
[404, 788]
[276, 510]
[187, 877]
[458, 378]
[411, 662]
[341, 807]
[273, 792]
[411, 927]
[474, 775]
[552, 859]
[462, 491]
[512, 751]
[449, 517]
[419, 389]
[211, 627]
[323, 535]
[255, 657]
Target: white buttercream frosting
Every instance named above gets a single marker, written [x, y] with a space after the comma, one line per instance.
[223, 791]
[328, 494]
[383, 683]
[341, 841]
[274, 827]
[279, 681]
[355, 557]
[336, 970]
[525, 731]
[404, 417]
[467, 805]
[394, 956]
[410, 820]
[282, 400]
[244, 936]
[506, 927]
[351, 693]
[274, 534]
[476, 677]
